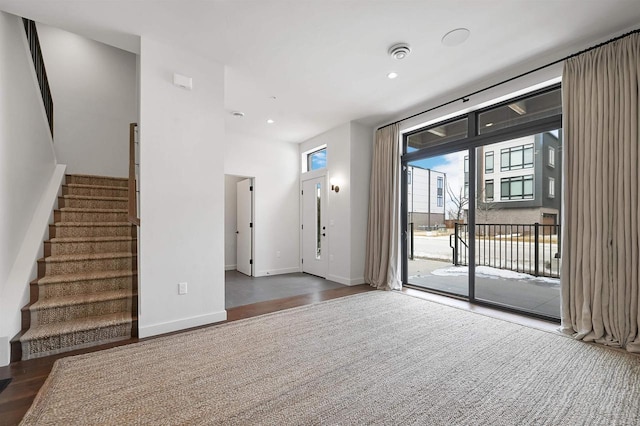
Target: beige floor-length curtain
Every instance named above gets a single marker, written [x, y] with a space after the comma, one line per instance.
[383, 229]
[601, 235]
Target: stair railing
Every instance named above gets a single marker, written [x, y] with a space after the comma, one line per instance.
[41, 72]
[133, 178]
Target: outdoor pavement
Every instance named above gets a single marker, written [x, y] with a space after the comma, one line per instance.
[538, 295]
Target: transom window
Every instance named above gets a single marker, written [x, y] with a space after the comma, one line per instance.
[317, 160]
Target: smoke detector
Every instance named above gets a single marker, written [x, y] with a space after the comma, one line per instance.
[399, 51]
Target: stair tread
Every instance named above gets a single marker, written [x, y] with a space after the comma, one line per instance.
[97, 176]
[89, 210]
[61, 301]
[92, 224]
[84, 276]
[84, 185]
[89, 239]
[75, 325]
[85, 256]
[94, 197]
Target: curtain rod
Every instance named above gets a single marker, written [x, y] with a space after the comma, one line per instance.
[466, 97]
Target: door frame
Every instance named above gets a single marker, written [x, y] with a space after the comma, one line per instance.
[321, 173]
[253, 220]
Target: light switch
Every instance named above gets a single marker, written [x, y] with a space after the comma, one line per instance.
[182, 288]
[183, 81]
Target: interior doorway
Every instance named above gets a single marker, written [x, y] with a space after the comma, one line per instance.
[314, 230]
[239, 238]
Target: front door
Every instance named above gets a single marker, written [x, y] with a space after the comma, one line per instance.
[314, 233]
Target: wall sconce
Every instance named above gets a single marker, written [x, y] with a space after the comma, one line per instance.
[334, 185]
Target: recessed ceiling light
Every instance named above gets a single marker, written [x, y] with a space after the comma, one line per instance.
[399, 51]
[488, 125]
[392, 75]
[270, 121]
[455, 37]
[238, 114]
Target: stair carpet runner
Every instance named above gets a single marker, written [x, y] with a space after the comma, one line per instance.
[84, 293]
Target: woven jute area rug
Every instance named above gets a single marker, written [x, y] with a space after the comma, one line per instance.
[373, 358]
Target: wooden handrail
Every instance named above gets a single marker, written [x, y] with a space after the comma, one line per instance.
[133, 203]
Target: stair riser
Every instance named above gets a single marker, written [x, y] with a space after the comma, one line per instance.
[54, 249]
[92, 204]
[76, 288]
[73, 267]
[96, 180]
[95, 192]
[90, 231]
[63, 216]
[55, 344]
[66, 313]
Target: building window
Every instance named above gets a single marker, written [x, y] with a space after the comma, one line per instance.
[517, 157]
[409, 177]
[488, 162]
[488, 190]
[440, 191]
[317, 160]
[466, 170]
[516, 188]
[552, 157]
[552, 187]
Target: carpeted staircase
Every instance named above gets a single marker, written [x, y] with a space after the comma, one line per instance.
[85, 293]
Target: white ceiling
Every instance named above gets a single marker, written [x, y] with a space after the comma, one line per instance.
[326, 60]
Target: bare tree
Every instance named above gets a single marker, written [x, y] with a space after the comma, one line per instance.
[457, 202]
[484, 207]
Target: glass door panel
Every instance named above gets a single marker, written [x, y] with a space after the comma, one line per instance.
[437, 243]
[518, 211]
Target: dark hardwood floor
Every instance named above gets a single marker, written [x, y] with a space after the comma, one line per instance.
[29, 376]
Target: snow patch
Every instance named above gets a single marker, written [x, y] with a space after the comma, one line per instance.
[494, 273]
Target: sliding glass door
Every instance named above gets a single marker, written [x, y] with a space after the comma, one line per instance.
[518, 223]
[436, 201]
[481, 205]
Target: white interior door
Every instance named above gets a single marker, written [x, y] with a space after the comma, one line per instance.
[244, 231]
[314, 234]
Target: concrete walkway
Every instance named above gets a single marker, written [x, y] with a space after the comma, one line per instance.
[541, 296]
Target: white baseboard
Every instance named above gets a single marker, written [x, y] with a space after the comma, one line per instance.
[24, 270]
[230, 267]
[181, 324]
[346, 281]
[270, 272]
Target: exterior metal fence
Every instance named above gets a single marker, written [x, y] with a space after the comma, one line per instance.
[528, 248]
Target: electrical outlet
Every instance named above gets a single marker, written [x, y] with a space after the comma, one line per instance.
[278, 253]
[182, 288]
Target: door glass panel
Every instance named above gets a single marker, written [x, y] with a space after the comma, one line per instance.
[518, 225]
[318, 221]
[437, 235]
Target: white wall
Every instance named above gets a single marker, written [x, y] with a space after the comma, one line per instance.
[182, 190]
[94, 93]
[349, 150]
[27, 164]
[230, 220]
[361, 156]
[275, 167]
